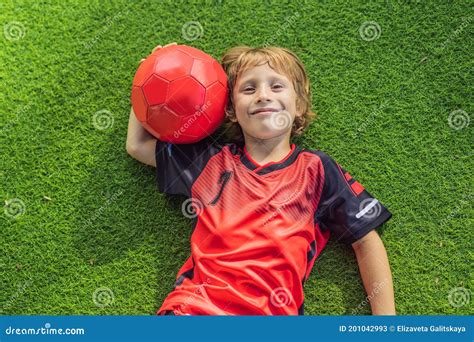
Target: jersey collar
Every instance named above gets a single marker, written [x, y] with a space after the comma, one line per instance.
[252, 165]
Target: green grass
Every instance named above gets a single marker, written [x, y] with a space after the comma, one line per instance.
[383, 109]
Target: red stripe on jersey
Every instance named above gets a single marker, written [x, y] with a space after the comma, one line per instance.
[357, 188]
[347, 176]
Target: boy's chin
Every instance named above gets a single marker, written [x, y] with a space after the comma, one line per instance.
[265, 135]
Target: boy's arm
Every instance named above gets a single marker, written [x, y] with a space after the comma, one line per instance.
[141, 145]
[375, 273]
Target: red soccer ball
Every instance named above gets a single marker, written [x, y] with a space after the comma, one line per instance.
[179, 94]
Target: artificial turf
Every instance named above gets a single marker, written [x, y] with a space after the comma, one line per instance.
[93, 217]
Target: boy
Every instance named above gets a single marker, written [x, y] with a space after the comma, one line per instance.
[264, 208]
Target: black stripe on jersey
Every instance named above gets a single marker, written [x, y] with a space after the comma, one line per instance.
[301, 310]
[273, 167]
[309, 256]
[311, 252]
[251, 166]
[188, 274]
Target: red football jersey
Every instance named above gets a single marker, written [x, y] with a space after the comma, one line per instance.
[258, 228]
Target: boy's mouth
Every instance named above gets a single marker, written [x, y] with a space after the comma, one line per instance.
[266, 110]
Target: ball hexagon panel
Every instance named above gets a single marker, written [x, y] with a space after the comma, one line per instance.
[189, 130]
[184, 94]
[204, 72]
[174, 64]
[155, 90]
[144, 71]
[193, 52]
[194, 124]
[166, 119]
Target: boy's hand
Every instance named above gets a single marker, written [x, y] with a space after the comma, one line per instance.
[158, 47]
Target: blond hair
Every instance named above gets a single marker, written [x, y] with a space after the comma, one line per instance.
[240, 58]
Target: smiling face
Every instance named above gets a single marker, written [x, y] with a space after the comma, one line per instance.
[262, 87]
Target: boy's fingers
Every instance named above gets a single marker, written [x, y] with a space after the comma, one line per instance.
[173, 43]
[160, 47]
[156, 48]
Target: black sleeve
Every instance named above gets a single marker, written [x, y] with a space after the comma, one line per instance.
[345, 208]
[179, 165]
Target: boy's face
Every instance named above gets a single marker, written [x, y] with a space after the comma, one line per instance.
[262, 87]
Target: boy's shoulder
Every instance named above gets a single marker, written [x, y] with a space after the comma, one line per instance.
[323, 156]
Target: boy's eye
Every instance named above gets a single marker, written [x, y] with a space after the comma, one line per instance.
[275, 86]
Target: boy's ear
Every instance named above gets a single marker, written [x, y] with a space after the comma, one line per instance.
[299, 108]
[299, 111]
[232, 117]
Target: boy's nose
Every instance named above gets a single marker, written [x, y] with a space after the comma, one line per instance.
[262, 95]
